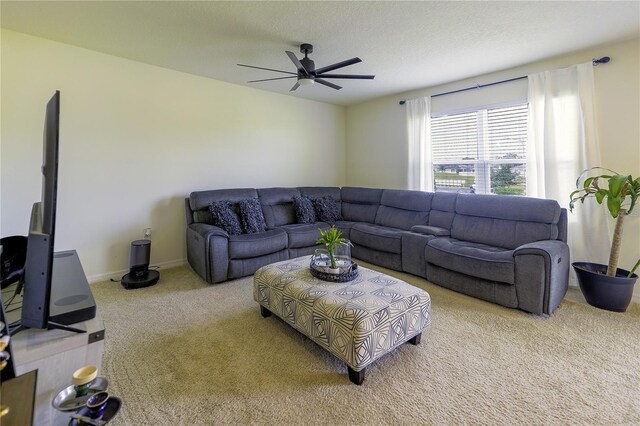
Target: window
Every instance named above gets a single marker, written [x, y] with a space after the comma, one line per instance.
[481, 151]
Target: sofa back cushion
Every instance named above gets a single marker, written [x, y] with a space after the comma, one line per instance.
[320, 191]
[199, 201]
[403, 208]
[360, 204]
[443, 209]
[504, 220]
[277, 205]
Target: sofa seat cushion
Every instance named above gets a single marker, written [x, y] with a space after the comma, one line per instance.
[303, 234]
[251, 245]
[381, 238]
[474, 259]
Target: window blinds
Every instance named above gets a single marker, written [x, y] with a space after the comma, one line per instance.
[482, 151]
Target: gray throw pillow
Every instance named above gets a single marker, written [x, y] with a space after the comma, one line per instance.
[303, 206]
[224, 217]
[327, 209]
[251, 215]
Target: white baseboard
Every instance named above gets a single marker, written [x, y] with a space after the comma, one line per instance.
[116, 275]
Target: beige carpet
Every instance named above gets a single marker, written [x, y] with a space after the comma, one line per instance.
[187, 353]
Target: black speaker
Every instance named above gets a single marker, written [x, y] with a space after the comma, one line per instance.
[139, 274]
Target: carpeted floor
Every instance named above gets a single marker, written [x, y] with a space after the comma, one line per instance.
[187, 353]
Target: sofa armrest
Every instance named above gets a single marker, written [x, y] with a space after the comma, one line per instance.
[208, 251]
[541, 275]
[204, 230]
[431, 230]
[413, 258]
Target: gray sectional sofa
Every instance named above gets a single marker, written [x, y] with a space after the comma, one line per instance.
[507, 250]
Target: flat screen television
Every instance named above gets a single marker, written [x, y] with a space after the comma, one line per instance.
[46, 287]
[38, 268]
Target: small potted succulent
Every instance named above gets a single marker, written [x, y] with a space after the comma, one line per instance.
[607, 286]
[331, 238]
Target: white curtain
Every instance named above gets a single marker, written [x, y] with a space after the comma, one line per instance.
[420, 167]
[562, 142]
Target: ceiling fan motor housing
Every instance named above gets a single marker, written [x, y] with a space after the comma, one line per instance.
[308, 65]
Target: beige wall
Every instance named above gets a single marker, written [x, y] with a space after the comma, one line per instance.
[136, 139]
[376, 130]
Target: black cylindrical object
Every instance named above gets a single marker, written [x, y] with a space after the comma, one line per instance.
[139, 274]
[139, 258]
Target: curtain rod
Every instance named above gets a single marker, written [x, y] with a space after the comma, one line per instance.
[602, 60]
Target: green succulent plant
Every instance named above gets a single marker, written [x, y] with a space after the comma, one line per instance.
[620, 194]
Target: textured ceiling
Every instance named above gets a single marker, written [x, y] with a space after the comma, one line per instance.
[407, 45]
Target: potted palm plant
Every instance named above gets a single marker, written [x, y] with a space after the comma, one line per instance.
[607, 286]
[331, 238]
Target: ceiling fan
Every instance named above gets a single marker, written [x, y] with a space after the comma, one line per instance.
[307, 74]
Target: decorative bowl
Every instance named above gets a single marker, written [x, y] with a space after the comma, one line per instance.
[97, 403]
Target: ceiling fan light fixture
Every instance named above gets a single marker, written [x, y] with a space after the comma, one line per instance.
[306, 81]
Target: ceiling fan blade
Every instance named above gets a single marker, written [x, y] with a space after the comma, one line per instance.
[338, 65]
[266, 69]
[270, 79]
[296, 62]
[295, 86]
[326, 83]
[349, 76]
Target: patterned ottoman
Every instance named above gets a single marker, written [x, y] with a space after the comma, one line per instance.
[358, 321]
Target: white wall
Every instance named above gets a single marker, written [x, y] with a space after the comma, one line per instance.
[376, 130]
[136, 139]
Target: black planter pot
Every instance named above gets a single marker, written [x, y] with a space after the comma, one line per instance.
[602, 291]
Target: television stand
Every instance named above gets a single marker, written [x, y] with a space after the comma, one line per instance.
[71, 299]
[56, 326]
[50, 326]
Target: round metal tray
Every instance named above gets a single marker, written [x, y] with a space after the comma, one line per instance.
[66, 399]
[318, 272]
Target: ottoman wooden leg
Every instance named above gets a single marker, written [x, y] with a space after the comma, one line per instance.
[415, 339]
[356, 377]
[264, 312]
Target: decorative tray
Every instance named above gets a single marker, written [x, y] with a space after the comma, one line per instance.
[319, 272]
[66, 399]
